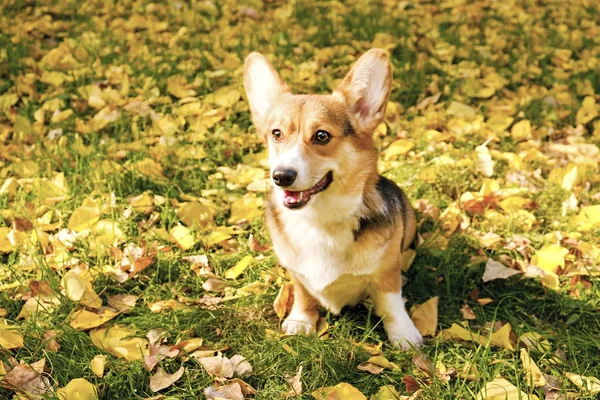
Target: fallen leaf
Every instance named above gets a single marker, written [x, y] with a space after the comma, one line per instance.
[10, 338]
[425, 316]
[533, 375]
[27, 378]
[497, 270]
[501, 389]
[123, 303]
[229, 391]
[501, 337]
[78, 389]
[341, 391]
[84, 320]
[51, 343]
[119, 341]
[238, 268]
[295, 383]
[467, 312]
[284, 300]
[162, 380]
[98, 364]
[183, 237]
[398, 148]
[550, 258]
[84, 217]
[588, 383]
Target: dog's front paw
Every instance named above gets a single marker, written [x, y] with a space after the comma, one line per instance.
[299, 324]
[406, 337]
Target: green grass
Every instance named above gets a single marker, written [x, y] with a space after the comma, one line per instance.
[491, 38]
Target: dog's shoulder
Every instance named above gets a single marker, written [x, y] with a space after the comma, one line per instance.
[384, 210]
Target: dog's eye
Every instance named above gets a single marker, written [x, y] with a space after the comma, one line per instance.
[276, 135]
[321, 137]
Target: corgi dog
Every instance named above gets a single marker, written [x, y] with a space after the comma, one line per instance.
[337, 226]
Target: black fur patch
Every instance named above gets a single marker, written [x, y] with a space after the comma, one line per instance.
[349, 129]
[394, 200]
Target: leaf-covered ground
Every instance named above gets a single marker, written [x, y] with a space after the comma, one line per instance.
[134, 260]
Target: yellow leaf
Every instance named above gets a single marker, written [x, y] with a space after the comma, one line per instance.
[501, 337]
[458, 332]
[144, 203]
[408, 257]
[245, 209]
[587, 112]
[571, 177]
[78, 389]
[461, 111]
[284, 300]
[6, 245]
[178, 87]
[501, 389]
[85, 216]
[398, 148]
[10, 338]
[550, 258]
[499, 122]
[149, 168]
[521, 130]
[219, 234]
[588, 383]
[227, 96]
[514, 203]
[61, 116]
[533, 375]
[341, 391]
[79, 289]
[183, 237]
[98, 364]
[587, 219]
[425, 316]
[196, 214]
[82, 320]
[117, 340]
[239, 268]
[534, 341]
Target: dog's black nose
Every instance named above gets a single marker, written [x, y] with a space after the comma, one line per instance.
[284, 177]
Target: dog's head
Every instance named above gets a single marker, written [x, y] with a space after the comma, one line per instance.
[319, 145]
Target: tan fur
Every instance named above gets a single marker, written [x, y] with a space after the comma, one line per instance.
[345, 244]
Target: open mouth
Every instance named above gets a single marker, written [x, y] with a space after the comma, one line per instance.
[295, 199]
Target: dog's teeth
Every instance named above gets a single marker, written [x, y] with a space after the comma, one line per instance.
[301, 196]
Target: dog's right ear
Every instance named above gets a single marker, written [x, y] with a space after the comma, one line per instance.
[263, 87]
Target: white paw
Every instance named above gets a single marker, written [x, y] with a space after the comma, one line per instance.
[406, 337]
[298, 324]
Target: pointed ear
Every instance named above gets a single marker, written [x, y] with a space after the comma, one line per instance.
[263, 86]
[366, 89]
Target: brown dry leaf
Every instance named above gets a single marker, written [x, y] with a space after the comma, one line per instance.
[284, 300]
[411, 384]
[295, 383]
[467, 312]
[51, 343]
[162, 380]
[28, 379]
[425, 316]
[78, 389]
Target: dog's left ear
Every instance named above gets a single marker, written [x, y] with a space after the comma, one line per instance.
[366, 89]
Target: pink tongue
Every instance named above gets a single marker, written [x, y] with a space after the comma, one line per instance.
[294, 197]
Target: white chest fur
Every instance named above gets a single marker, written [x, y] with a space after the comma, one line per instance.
[327, 260]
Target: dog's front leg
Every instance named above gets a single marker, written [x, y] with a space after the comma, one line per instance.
[304, 314]
[399, 327]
